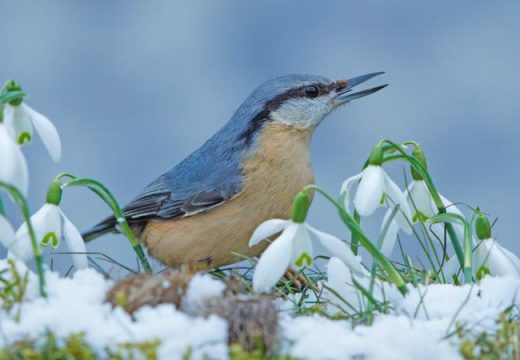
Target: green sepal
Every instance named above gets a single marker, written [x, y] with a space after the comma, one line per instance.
[54, 193]
[419, 216]
[300, 207]
[419, 155]
[304, 257]
[50, 239]
[482, 272]
[24, 138]
[482, 227]
[376, 156]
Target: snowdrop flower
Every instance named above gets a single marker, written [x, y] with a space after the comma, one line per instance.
[487, 253]
[341, 279]
[21, 120]
[417, 194]
[294, 248]
[376, 188]
[50, 226]
[13, 167]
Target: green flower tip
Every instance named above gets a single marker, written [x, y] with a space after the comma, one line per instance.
[304, 258]
[482, 226]
[11, 86]
[54, 193]
[24, 138]
[50, 239]
[376, 156]
[300, 207]
[419, 155]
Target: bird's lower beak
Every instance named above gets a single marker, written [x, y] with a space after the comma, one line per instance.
[345, 95]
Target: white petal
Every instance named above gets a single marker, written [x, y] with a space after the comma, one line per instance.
[450, 207]
[75, 243]
[47, 132]
[338, 248]
[9, 240]
[391, 234]
[18, 121]
[489, 254]
[339, 278]
[13, 167]
[397, 197]
[301, 246]
[370, 190]
[45, 220]
[274, 261]
[345, 188]
[512, 258]
[420, 197]
[267, 229]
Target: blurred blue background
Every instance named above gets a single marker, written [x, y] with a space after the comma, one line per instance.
[133, 87]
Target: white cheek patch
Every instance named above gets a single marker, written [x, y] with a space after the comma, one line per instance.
[302, 112]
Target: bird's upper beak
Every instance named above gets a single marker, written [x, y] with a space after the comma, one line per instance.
[345, 94]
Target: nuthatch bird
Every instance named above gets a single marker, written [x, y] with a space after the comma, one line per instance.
[201, 213]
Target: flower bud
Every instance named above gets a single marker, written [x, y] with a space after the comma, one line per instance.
[300, 207]
[419, 155]
[376, 156]
[54, 193]
[482, 227]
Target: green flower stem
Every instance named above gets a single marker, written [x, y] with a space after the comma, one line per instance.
[2, 209]
[109, 199]
[390, 269]
[11, 96]
[419, 167]
[467, 265]
[354, 241]
[24, 208]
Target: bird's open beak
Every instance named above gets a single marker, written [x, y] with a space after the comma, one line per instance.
[345, 95]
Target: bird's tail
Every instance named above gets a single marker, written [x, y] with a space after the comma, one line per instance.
[104, 227]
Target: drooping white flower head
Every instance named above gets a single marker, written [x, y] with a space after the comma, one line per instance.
[423, 207]
[376, 188]
[21, 120]
[490, 254]
[487, 253]
[13, 167]
[50, 225]
[294, 248]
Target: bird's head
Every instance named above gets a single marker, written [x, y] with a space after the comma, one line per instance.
[300, 100]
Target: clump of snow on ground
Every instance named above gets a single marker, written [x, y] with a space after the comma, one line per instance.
[201, 288]
[418, 327]
[77, 305]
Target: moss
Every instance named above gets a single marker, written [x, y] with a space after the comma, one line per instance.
[12, 287]
[49, 347]
[504, 343]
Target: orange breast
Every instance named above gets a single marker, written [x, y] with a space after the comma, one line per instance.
[279, 169]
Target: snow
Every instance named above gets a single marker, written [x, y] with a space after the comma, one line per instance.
[416, 328]
[77, 305]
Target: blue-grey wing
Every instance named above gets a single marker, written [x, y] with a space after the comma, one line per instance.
[164, 204]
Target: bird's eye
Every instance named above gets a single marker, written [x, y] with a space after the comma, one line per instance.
[312, 91]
